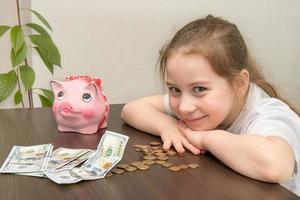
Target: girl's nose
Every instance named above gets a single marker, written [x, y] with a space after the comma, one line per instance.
[186, 106]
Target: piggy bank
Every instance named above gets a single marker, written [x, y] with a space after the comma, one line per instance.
[80, 104]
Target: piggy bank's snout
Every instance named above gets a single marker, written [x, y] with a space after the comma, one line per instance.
[65, 107]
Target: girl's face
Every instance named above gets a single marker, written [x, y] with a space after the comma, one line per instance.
[198, 96]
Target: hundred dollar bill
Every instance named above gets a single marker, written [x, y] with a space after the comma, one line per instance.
[62, 177]
[109, 152]
[27, 159]
[85, 174]
[76, 161]
[62, 156]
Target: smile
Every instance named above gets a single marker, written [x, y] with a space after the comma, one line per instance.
[195, 120]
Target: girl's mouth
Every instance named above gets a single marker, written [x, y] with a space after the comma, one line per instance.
[194, 121]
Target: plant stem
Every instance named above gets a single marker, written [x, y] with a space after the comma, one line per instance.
[29, 92]
[18, 76]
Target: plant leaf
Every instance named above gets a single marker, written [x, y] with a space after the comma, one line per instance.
[48, 65]
[43, 20]
[17, 38]
[27, 76]
[3, 29]
[8, 82]
[46, 48]
[38, 29]
[48, 93]
[45, 102]
[18, 97]
[20, 56]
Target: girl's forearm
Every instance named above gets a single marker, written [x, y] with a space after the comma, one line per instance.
[269, 159]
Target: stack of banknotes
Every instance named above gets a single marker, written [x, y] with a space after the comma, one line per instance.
[61, 165]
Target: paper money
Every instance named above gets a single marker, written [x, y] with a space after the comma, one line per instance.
[27, 159]
[86, 174]
[76, 161]
[62, 156]
[62, 177]
[60, 166]
[109, 153]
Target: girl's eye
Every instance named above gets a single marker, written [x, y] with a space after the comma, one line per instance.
[199, 89]
[86, 97]
[60, 95]
[174, 90]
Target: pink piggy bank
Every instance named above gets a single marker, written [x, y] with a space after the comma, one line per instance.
[80, 104]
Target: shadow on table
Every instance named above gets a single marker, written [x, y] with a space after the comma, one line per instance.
[77, 140]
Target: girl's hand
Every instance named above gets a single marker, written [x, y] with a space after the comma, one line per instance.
[180, 143]
[196, 138]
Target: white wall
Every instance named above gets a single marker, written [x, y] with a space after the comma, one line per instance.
[8, 17]
[119, 40]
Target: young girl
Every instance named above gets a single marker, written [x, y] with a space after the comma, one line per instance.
[218, 101]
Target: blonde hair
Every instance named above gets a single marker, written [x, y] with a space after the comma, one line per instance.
[221, 43]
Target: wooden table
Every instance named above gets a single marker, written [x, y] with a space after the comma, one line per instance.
[212, 180]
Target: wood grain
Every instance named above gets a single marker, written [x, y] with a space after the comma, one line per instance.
[212, 180]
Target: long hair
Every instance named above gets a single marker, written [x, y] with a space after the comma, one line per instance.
[221, 43]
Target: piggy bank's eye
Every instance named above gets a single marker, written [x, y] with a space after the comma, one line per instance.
[86, 97]
[60, 95]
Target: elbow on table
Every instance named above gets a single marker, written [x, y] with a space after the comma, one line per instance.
[124, 111]
[275, 175]
[277, 172]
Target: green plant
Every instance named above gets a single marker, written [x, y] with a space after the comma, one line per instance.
[21, 75]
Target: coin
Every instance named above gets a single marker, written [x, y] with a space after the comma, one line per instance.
[143, 167]
[148, 162]
[171, 153]
[162, 158]
[193, 166]
[157, 151]
[122, 166]
[149, 157]
[144, 147]
[155, 147]
[160, 162]
[167, 164]
[174, 168]
[117, 171]
[109, 175]
[183, 166]
[154, 143]
[130, 169]
[136, 163]
[161, 154]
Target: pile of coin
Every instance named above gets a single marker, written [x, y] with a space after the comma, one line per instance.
[152, 154]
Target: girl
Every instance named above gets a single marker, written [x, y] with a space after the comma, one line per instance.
[218, 101]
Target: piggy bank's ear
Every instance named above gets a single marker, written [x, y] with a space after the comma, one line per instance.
[56, 86]
[92, 87]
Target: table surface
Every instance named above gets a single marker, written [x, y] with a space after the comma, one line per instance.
[212, 180]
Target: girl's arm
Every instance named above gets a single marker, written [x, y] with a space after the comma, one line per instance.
[269, 159]
[148, 114]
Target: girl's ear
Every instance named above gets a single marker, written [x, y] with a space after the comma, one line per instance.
[242, 82]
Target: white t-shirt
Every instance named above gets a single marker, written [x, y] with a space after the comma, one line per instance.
[266, 116]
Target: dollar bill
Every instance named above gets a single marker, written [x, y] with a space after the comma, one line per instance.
[85, 174]
[62, 156]
[27, 159]
[76, 161]
[61, 177]
[109, 152]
